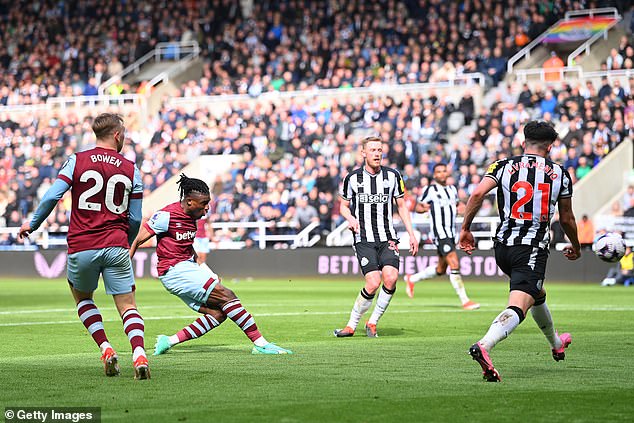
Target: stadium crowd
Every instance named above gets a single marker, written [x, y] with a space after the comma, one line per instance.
[296, 151]
[291, 45]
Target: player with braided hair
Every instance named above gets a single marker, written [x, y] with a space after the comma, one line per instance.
[199, 287]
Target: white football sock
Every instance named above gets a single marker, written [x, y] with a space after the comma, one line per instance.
[260, 342]
[173, 339]
[456, 282]
[501, 327]
[427, 273]
[541, 315]
[361, 305]
[382, 301]
[104, 345]
[138, 351]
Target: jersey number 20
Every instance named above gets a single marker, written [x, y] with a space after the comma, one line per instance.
[528, 195]
[111, 184]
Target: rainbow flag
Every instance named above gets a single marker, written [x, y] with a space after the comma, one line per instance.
[577, 29]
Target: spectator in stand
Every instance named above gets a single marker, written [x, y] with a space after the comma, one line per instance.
[552, 67]
[585, 229]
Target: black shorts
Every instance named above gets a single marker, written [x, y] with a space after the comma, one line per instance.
[445, 246]
[525, 265]
[374, 255]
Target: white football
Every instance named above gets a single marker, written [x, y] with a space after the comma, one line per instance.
[609, 247]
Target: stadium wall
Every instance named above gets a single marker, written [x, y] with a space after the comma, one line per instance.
[307, 262]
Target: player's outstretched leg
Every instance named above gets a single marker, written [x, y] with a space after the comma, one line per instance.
[361, 306]
[91, 318]
[410, 280]
[241, 317]
[196, 329]
[543, 318]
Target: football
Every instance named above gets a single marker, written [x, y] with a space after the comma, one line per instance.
[609, 247]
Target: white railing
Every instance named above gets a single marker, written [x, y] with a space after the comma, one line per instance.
[52, 103]
[568, 72]
[593, 12]
[303, 238]
[526, 51]
[468, 79]
[170, 51]
[340, 236]
[42, 238]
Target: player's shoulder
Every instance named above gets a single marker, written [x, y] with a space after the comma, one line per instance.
[174, 207]
[390, 169]
[498, 164]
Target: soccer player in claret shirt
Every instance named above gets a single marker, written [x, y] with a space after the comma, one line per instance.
[105, 218]
[529, 187]
[198, 287]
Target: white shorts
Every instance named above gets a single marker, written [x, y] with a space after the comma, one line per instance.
[190, 282]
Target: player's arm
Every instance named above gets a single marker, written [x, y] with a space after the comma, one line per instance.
[158, 223]
[422, 204]
[134, 218]
[51, 197]
[144, 234]
[466, 242]
[569, 225]
[135, 208]
[403, 212]
[422, 207]
[346, 213]
[346, 193]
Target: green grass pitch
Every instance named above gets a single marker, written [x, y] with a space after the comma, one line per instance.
[417, 370]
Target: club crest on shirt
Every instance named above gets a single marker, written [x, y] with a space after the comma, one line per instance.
[492, 167]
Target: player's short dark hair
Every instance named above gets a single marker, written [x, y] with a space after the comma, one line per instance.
[439, 165]
[188, 185]
[540, 133]
[106, 124]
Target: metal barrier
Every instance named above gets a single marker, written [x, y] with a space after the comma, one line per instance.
[569, 72]
[340, 236]
[44, 239]
[470, 79]
[170, 51]
[133, 100]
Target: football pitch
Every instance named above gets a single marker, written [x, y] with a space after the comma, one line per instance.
[418, 369]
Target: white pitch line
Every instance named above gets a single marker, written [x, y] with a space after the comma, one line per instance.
[311, 313]
[181, 306]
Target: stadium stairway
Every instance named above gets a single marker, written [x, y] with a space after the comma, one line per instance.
[205, 167]
[605, 183]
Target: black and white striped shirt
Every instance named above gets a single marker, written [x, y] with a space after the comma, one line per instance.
[442, 201]
[371, 202]
[529, 187]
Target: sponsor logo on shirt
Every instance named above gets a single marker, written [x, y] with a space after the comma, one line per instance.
[185, 236]
[373, 198]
